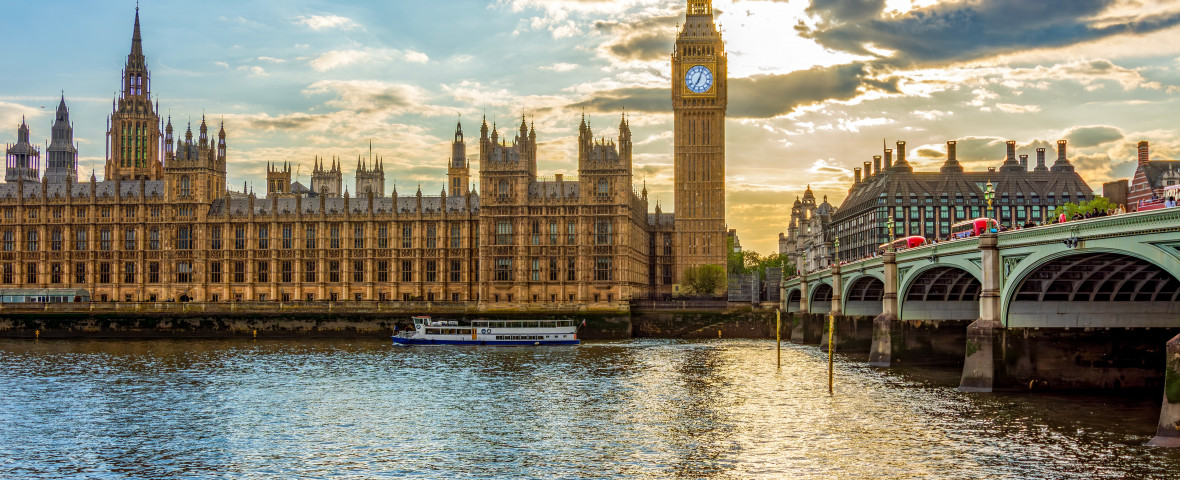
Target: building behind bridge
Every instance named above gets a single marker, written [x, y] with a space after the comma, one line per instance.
[928, 203]
[1151, 176]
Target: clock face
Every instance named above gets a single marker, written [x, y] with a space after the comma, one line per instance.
[698, 79]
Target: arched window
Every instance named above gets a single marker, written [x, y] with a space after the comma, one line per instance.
[603, 187]
[502, 189]
[185, 187]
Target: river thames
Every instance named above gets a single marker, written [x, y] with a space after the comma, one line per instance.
[629, 409]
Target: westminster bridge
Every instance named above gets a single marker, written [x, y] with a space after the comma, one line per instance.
[1083, 304]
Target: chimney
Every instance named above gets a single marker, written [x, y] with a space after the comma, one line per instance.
[868, 169]
[1011, 151]
[856, 176]
[877, 163]
[1041, 160]
[1062, 164]
[888, 158]
[1143, 152]
[1024, 162]
[901, 152]
[952, 162]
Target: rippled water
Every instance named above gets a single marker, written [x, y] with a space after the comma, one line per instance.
[635, 409]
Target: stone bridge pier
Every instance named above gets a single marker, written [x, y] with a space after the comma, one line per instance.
[881, 351]
[983, 341]
[1167, 433]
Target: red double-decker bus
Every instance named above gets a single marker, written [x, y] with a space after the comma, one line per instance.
[1169, 198]
[971, 228]
[903, 243]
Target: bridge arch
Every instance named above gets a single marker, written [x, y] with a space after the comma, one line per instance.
[864, 295]
[940, 291]
[792, 299]
[821, 298]
[1093, 288]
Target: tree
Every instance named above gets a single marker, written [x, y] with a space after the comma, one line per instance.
[1074, 210]
[750, 261]
[703, 279]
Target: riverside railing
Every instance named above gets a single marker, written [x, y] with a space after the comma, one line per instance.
[313, 307]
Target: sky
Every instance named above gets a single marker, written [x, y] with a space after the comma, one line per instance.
[815, 86]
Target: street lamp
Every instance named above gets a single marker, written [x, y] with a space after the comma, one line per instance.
[989, 194]
[836, 245]
[891, 221]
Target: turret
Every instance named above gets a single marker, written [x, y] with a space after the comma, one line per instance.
[22, 160]
[221, 144]
[204, 138]
[625, 146]
[62, 155]
[458, 170]
[168, 142]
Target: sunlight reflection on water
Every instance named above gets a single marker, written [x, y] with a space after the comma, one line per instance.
[635, 409]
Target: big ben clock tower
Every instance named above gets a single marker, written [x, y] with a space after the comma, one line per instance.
[698, 105]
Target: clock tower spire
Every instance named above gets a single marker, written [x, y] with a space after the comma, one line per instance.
[699, 97]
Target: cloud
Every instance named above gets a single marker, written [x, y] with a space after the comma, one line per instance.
[322, 22]
[959, 31]
[341, 58]
[1085, 72]
[369, 96]
[271, 60]
[253, 71]
[1092, 136]
[560, 67]
[639, 99]
[12, 113]
[826, 168]
[645, 40]
[761, 96]
[758, 96]
[416, 57]
[846, 10]
[1013, 108]
[294, 121]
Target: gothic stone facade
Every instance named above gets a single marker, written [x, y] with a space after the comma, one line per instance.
[163, 227]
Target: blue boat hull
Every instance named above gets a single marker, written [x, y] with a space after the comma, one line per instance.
[417, 341]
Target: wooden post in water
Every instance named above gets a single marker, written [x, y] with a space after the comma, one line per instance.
[831, 348]
[778, 336]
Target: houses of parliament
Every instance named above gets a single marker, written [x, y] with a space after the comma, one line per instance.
[162, 224]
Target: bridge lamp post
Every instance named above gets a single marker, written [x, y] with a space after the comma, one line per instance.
[989, 194]
[890, 225]
[836, 246]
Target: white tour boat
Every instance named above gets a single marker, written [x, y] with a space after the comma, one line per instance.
[490, 332]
